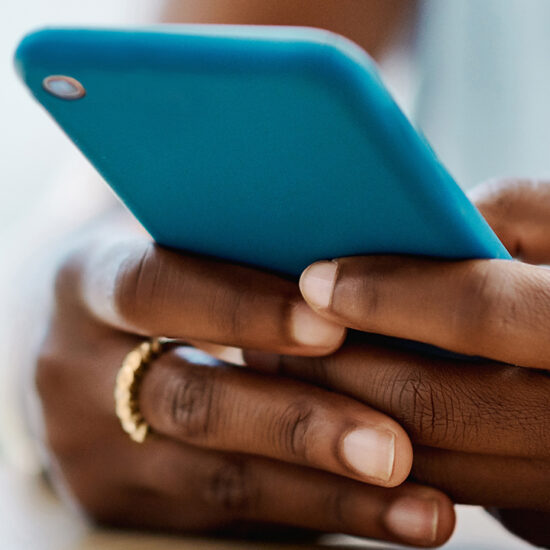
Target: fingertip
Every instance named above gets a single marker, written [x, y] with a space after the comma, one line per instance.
[369, 452]
[313, 331]
[424, 518]
[403, 457]
[377, 454]
[447, 519]
[317, 283]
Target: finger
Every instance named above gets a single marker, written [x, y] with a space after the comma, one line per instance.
[208, 490]
[232, 409]
[492, 308]
[223, 353]
[473, 407]
[139, 287]
[519, 213]
[483, 480]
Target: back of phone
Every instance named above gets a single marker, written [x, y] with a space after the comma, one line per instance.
[273, 147]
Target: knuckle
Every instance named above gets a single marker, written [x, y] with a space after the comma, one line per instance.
[425, 407]
[66, 279]
[191, 404]
[363, 283]
[481, 306]
[51, 381]
[45, 373]
[110, 498]
[236, 310]
[362, 291]
[495, 197]
[229, 487]
[137, 283]
[335, 505]
[368, 290]
[48, 380]
[521, 407]
[293, 428]
[233, 312]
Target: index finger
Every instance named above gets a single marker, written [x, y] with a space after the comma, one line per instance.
[136, 286]
[498, 309]
[475, 407]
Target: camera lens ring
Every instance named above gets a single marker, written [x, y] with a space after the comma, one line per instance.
[64, 87]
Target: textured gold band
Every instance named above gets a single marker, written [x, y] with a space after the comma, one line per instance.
[127, 387]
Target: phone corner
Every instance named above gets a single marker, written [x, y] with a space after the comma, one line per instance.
[27, 48]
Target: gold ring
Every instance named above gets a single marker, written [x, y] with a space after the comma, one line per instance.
[128, 381]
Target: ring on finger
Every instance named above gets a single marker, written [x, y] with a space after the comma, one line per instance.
[128, 381]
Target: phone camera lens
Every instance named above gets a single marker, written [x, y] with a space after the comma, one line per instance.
[64, 87]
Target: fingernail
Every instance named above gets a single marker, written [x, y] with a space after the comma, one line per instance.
[370, 452]
[413, 520]
[310, 329]
[317, 283]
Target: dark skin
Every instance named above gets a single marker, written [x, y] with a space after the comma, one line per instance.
[233, 447]
[229, 446]
[481, 430]
[372, 23]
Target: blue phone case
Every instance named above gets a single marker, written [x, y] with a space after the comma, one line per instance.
[268, 146]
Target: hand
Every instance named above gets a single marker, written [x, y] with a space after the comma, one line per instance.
[229, 446]
[481, 428]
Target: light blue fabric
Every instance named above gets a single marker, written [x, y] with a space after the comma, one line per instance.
[484, 99]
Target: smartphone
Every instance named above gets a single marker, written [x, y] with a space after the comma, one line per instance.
[267, 146]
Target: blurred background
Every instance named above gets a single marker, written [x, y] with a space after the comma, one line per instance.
[42, 175]
[34, 156]
[474, 82]
[32, 149]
